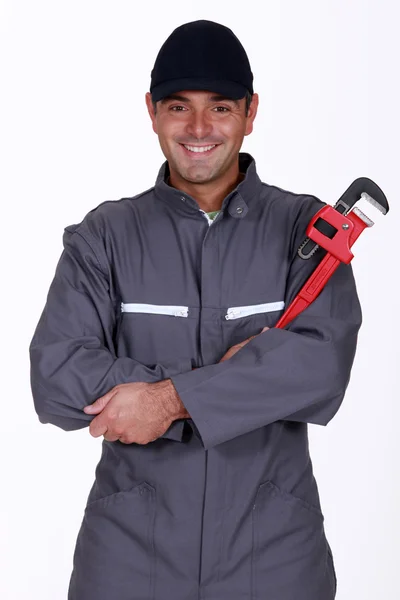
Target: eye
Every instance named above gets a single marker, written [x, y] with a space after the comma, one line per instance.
[177, 107]
[224, 109]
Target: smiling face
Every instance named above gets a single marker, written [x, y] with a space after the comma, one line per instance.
[201, 133]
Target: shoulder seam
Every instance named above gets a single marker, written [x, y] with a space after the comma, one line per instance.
[290, 192]
[90, 246]
[124, 198]
[113, 201]
[93, 243]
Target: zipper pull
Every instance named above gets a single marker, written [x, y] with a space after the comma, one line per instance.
[181, 312]
[232, 313]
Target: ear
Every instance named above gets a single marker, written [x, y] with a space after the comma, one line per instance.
[251, 115]
[150, 109]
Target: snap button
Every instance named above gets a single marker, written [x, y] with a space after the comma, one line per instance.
[183, 198]
[239, 210]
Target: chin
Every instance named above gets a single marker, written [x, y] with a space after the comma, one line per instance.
[199, 177]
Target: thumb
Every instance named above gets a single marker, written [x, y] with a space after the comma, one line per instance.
[98, 405]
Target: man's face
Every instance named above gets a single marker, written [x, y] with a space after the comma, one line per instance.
[201, 133]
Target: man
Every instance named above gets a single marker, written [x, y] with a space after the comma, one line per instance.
[158, 333]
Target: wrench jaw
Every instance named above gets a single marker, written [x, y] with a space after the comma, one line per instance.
[361, 189]
[363, 216]
[371, 200]
[346, 230]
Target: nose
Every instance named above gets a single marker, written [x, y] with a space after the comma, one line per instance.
[199, 125]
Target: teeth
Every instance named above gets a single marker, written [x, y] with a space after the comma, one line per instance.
[199, 148]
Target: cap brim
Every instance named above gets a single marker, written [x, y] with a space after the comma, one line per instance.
[230, 89]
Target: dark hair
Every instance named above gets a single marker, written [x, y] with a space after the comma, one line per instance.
[247, 96]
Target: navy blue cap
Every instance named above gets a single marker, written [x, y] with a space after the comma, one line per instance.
[202, 55]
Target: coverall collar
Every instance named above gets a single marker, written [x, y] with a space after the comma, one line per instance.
[237, 202]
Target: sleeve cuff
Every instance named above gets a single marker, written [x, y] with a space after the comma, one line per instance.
[175, 430]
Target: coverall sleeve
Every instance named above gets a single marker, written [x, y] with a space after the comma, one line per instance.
[299, 373]
[72, 354]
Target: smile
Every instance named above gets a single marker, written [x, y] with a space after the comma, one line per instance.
[204, 150]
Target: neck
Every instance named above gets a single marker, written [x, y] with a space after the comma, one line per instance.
[209, 195]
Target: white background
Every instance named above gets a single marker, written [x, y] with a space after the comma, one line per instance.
[75, 132]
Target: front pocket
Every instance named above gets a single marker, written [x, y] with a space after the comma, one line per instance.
[235, 312]
[289, 550]
[114, 555]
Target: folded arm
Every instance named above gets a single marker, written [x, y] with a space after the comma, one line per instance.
[299, 373]
[72, 355]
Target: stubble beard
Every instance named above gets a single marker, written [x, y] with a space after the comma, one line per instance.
[200, 173]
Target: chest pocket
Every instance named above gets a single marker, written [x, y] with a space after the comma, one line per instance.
[235, 312]
[241, 322]
[155, 309]
[153, 333]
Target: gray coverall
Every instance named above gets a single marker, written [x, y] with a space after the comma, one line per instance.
[223, 506]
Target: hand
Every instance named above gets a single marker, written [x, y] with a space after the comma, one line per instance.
[231, 351]
[131, 413]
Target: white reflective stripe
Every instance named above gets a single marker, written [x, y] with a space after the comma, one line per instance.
[156, 309]
[243, 311]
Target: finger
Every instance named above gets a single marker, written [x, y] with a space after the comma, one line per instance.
[111, 437]
[98, 405]
[241, 344]
[97, 427]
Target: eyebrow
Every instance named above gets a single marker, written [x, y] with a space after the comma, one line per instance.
[215, 98]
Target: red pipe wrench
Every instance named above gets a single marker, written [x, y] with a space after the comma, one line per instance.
[334, 228]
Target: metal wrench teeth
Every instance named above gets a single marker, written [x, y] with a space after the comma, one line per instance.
[310, 253]
[300, 248]
[363, 216]
[374, 203]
